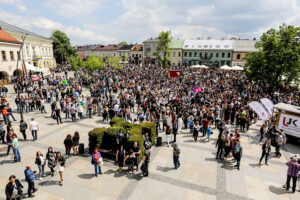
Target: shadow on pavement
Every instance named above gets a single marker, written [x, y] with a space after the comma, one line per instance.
[49, 183]
[164, 169]
[86, 176]
[276, 190]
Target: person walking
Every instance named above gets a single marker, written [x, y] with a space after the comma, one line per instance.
[238, 153]
[40, 162]
[196, 131]
[57, 115]
[75, 143]
[61, 162]
[266, 149]
[9, 112]
[292, 173]
[145, 161]
[13, 189]
[2, 132]
[280, 140]
[97, 161]
[23, 127]
[15, 146]
[34, 127]
[68, 144]
[50, 156]
[168, 134]
[175, 131]
[176, 153]
[262, 132]
[30, 178]
[205, 123]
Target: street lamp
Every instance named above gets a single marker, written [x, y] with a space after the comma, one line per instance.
[18, 74]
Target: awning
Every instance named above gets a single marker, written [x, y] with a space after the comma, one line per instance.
[32, 68]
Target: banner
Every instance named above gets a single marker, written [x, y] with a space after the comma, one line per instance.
[173, 73]
[196, 89]
[289, 123]
[259, 109]
[35, 78]
[268, 105]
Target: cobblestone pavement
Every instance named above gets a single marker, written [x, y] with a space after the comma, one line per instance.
[200, 176]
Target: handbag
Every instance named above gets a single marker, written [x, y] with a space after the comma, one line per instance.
[100, 162]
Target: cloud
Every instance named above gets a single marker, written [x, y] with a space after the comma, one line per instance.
[21, 8]
[8, 1]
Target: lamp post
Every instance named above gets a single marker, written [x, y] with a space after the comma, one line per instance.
[18, 74]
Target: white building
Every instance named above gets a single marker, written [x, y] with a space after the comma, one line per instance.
[37, 50]
[10, 53]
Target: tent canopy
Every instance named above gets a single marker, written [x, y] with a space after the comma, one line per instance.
[237, 68]
[195, 66]
[225, 67]
[203, 67]
[31, 67]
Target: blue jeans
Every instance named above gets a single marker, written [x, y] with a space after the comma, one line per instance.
[8, 148]
[17, 154]
[176, 161]
[34, 134]
[97, 168]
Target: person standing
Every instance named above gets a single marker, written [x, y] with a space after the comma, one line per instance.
[262, 132]
[145, 161]
[205, 124]
[50, 156]
[61, 162]
[136, 151]
[68, 144]
[280, 140]
[196, 130]
[23, 127]
[9, 112]
[13, 189]
[121, 156]
[292, 173]
[238, 153]
[34, 127]
[175, 131]
[30, 178]
[75, 140]
[57, 115]
[266, 149]
[15, 146]
[179, 123]
[40, 162]
[221, 145]
[176, 153]
[5, 115]
[2, 132]
[97, 161]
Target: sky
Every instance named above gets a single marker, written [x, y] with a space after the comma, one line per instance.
[133, 21]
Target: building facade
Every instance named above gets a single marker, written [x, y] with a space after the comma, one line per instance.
[125, 50]
[241, 49]
[212, 53]
[149, 48]
[37, 50]
[106, 51]
[10, 53]
[137, 54]
[175, 54]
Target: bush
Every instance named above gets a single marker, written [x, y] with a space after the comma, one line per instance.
[114, 130]
[95, 138]
[152, 127]
[123, 124]
[116, 120]
[136, 136]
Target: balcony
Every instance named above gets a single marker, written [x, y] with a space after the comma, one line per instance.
[36, 57]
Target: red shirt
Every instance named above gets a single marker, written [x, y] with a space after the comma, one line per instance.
[205, 123]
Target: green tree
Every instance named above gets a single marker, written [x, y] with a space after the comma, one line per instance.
[123, 43]
[277, 60]
[125, 57]
[91, 63]
[163, 47]
[101, 65]
[115, 62]
[76, 62]
[62, 48]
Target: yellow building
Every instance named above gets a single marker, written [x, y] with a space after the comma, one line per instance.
[175, 54]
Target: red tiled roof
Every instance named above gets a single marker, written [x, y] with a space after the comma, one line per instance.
[80, 54]
[108, 48]
[138, 48]
[5, 37]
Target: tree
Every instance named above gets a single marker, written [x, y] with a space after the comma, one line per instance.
[76, 62]
[277, 61]
[94, 63]
[115, 62]
[163, 48]
[123, 43]
[125, 57]
[62, 48]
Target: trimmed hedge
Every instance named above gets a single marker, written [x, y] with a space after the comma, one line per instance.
[105, 138]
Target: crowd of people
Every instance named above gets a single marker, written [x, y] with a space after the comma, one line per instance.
[139, 94]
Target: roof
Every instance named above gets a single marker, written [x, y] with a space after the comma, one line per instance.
[81, 54]
[288, 107]
[5, 37]
[110, 47]
[244, 45]
[137, 48]
[176, 44]
[208, 44]
[151, 40]
[127, 47]
[11, 28]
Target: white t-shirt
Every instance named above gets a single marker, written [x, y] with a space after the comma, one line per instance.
[34, 125]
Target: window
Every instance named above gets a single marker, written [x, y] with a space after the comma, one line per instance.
[205, 55]
[140, 55]
[199, 46]
[210, 46]
[200, 54]
[238, 56]
[27, 51]
[228, 55]
[190, 54]
[195, 54]
[185, 54]
[174, 54]
[226, 46]
[211, 54]
[179, 54]
[217, 46]
[12, 55]
[33, 51]
[223, 55]
[3, 55]
[186, 46]
[205, 46]
[217, 54]
[19, 56]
